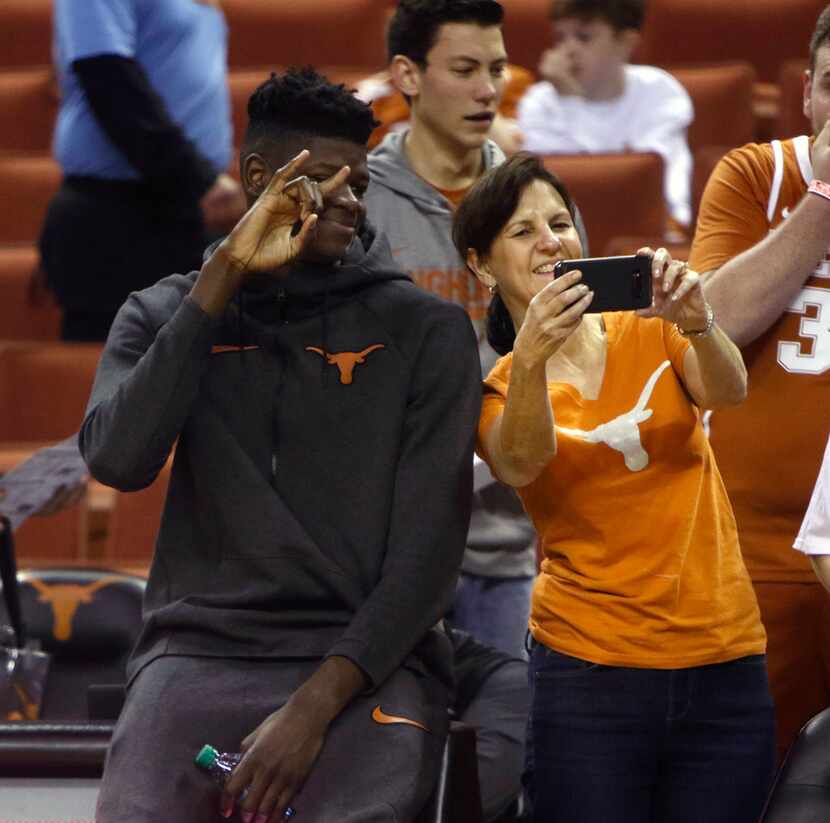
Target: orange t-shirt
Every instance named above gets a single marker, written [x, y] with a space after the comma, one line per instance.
[390, 108]
[641, 563]
[769, 449]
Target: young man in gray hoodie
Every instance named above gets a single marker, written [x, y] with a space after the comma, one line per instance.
[324, 410]
[447, 57]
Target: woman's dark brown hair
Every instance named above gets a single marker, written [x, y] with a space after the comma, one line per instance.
[484, 212]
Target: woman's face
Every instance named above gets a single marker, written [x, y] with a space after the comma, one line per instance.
[538, 234]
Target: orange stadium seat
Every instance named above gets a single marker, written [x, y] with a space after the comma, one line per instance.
[44, 388]
[242, 83]
[329, 32]
[22, 317]
[722, 97]
[791, 119]
[134, 523]
[26, 186]
[618, 194]
[527, 31]
[762, 32]
[28, 108]
[27, 33]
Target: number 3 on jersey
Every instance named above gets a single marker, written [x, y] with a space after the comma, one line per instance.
[801, 357]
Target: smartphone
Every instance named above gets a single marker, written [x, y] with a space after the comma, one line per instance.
[618, 283]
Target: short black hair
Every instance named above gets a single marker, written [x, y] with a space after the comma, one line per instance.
[821, 36]
[484, 212]
[304, 102]
[620, 14]
[413, 28]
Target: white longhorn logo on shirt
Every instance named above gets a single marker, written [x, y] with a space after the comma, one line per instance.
[623, 432]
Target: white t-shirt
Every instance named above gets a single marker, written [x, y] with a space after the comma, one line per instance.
[814, 535]
[652, 114]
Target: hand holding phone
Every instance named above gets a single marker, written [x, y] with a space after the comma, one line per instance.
[619, 283]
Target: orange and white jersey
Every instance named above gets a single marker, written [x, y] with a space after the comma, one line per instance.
[769, 449]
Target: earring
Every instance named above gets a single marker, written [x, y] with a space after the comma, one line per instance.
[492, 289]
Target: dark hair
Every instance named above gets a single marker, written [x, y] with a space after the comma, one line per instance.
[821, 35]
[304, 102]
[620, 14]
[413, 28]
[484, 212]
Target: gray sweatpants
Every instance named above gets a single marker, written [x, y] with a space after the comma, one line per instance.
[366, 772]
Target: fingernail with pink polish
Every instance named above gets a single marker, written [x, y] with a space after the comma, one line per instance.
[261, 818]
[227, 812]
[247, 817]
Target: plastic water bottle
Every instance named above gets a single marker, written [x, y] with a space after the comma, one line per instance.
[219, 766]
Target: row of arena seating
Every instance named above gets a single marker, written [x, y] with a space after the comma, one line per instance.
[765, 33]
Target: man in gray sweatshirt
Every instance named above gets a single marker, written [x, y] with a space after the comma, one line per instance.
[324, 409]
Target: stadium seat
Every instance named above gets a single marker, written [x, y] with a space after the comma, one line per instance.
[618, 194]
[24, 317]
[706, 159]
[761, 32]
[330, 32]
[28, 108]
[26, 186]
[527, 31]
[44, 388]
[134, 523]
[801, 793]
[716, 90]
[27, 30]
[791, 119]
[88, 620]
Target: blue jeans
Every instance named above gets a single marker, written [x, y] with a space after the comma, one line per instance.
[623, 745]
[494, 610]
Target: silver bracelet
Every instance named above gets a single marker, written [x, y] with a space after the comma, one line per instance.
[707, 329]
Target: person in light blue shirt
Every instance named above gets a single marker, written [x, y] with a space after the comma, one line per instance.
[143, 137]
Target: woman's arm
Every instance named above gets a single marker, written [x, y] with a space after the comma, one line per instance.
[522, 441]
[714, 371]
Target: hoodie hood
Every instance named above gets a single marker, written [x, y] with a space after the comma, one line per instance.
[390, 168]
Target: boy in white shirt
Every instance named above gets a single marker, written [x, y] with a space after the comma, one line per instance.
[592, 100]
[814, 536]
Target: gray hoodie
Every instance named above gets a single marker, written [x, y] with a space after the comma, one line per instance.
[417, 221]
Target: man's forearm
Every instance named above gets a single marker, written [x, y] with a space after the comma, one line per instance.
[821, 566]
[217, 283]
[751, 291]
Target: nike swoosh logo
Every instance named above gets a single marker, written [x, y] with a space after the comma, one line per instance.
[379, 716]
[224, 349]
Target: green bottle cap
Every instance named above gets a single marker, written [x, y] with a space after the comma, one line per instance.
[207, 757]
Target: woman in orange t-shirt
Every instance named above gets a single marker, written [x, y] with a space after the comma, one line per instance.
[650, 695]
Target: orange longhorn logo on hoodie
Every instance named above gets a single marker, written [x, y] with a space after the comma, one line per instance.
[346, 360]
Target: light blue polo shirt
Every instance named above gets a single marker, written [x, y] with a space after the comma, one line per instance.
[182, 47]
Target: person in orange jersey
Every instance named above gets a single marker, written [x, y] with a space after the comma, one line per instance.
[762, 244]
[650, 696]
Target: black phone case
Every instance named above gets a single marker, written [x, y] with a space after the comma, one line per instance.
[618, 283]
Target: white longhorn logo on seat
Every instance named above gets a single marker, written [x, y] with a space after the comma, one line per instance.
[623, 432]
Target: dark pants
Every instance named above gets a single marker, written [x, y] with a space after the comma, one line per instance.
[624, 745]
[103, 239]
[367, 772]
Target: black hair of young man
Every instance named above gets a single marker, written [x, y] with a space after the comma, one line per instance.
[305, 103]
[414, 26]
[619, 14]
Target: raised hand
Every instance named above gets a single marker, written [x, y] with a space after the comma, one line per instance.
[266, 237]
[551, 317]
[678, 292]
